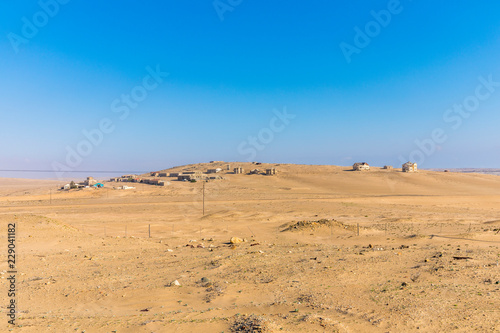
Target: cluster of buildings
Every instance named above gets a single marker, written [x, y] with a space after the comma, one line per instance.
[138, 179]
[89, 182]
[209, 174]
[407, 167]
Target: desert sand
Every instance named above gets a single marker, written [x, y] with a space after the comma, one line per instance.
[324, 249]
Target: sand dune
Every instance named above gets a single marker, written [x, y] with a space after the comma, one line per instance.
[87, 263]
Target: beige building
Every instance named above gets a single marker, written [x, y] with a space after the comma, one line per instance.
[409, 167]
[238, 170]
[271, 172]
[363, 166]
[190, 177]
[387, 167]
[90, 181]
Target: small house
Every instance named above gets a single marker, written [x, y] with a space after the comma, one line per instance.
[387, 167]
[90, 181]
[184, 177]
[363, 166]
[409, 167]
[271, 172]
[189, 177]
[238, 170]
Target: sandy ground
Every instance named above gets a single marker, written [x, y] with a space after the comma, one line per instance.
[425, 258]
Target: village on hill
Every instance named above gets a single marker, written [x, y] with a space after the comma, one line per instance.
[217, 170]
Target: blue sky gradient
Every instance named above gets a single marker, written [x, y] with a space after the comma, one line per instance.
[227, 76]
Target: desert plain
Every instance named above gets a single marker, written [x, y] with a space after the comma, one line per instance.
[317, 249]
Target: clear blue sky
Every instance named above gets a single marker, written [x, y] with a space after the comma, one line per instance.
[228, 77]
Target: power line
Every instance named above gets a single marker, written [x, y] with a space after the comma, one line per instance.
[71, 171]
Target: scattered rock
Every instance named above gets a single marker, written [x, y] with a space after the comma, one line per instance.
[312, 225]
[175, 283]
[236, 240]
[249, 324]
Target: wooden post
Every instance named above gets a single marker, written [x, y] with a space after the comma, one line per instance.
[203, 199]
